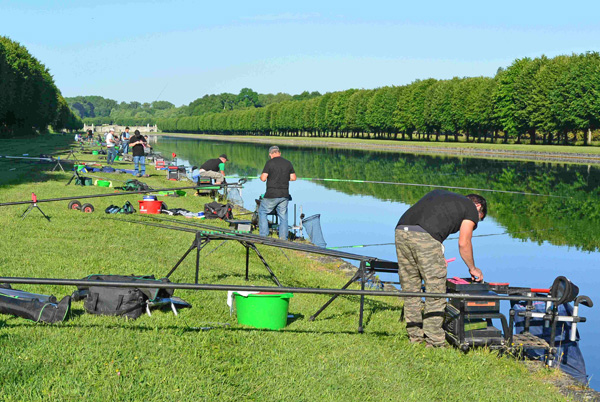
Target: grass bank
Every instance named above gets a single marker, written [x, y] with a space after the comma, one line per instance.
[203, 354]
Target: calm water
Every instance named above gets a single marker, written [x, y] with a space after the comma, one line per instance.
[525, 240]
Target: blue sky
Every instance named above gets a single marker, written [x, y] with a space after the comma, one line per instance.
[181, 50]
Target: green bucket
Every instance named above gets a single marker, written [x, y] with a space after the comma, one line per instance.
[94, 152]
[263, 310]
[103, 183]
[117, 158]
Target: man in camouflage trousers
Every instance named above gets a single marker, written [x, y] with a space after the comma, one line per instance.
[419, 236]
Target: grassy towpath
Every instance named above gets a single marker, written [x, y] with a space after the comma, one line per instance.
[203, 354]
[526, 152]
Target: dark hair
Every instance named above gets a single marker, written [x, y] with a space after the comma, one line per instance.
[477, 199]
[126, 128]
[224, 156]
[136, 132]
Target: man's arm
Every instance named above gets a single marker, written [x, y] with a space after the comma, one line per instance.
[263, 177]
[465, 247]
[292, 176]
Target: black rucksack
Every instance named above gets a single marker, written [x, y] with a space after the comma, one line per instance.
[135, 185]
[215, 210]
[129, 302]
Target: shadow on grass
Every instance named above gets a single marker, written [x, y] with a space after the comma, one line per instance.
[184, 328]
[19, 171]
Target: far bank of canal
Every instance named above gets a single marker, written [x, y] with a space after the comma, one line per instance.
[526, 240]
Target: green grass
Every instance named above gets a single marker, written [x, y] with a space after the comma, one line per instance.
[360, 143]
[204, 354]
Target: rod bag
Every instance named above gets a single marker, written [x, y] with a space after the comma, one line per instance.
[31, 306]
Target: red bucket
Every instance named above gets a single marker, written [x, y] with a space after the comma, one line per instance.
[150, 207]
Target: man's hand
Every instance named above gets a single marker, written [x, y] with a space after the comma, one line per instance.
[476, 274]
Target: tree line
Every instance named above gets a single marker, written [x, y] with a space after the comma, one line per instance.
[29, 99]
[549, 100]
[98, 110]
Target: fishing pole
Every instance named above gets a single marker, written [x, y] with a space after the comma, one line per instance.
[450, 238]
[277, 289]
[196, 187]
[437, 186]
[426, 185]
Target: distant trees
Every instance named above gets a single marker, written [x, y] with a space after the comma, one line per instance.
[29, 99]
[98, 110]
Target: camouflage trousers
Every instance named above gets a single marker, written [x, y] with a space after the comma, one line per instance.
[421, 260]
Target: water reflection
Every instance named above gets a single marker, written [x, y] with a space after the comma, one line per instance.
[572, 221]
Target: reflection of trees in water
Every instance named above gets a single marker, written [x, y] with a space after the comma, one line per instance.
[572, 221]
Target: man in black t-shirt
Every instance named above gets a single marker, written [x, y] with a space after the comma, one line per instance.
[138, 143]
[214, 168]
[419, 236]
[278, 173]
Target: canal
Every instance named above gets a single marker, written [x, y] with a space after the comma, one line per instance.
[526, 240]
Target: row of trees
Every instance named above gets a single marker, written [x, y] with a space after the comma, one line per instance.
[552, 100]
[29, 99]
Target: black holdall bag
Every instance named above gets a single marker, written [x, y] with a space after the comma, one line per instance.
[215, 210]
[129, 302]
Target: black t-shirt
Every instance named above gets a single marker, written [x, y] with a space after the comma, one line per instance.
[212, 165]
[137, 150]
[440, 213]
[278, 181]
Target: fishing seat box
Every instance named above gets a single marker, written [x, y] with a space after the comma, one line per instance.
[468, 323]
[173, 173]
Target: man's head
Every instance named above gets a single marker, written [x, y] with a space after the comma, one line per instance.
[480, 203]
[127, 129]
[136, 132]
[223, 158]
[111, 130]
[274, 151]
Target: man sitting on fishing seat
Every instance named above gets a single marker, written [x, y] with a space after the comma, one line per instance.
[419, 236]
[214, 168]
[278, 173]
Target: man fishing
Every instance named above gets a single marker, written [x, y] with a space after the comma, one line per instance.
[111, 146]
[278, 172]
[214, 168]
[138, 145]
[419, 236]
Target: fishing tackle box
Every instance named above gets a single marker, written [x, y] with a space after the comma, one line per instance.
[468, 323]
[459, 285]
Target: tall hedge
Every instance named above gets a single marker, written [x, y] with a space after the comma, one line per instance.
[29, 99]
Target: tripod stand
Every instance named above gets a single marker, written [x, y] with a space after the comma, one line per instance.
[58, 164]
[202, 239]
[33, 205]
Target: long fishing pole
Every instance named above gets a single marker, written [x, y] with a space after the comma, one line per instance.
[450, 238]
[193, 286]
[429, 185]
[196, 187]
